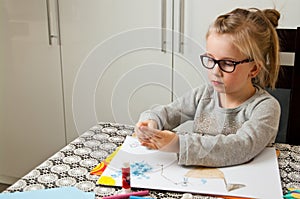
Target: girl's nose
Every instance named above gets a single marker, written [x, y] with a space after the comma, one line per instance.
[216, 70]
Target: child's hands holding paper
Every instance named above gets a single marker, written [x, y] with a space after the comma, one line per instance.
[151, 137]
[140, 134]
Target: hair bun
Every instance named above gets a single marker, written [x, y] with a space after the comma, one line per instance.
[273, 16]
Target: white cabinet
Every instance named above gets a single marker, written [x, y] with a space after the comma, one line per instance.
[109, 66]
[112, 60]
[31, 105]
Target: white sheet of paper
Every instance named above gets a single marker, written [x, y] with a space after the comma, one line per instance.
[159, 170]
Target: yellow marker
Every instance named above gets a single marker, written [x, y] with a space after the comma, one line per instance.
[295, 190]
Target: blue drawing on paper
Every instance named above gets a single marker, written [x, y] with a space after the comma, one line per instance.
[203, 181]
[116, 174]
[139, 169]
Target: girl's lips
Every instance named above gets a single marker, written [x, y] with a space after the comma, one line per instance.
[216, 83]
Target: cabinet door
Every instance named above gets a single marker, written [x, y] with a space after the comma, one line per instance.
[113, 63]
[31, 109]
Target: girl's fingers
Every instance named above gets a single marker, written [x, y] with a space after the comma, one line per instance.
[149, 145]
[150, 132]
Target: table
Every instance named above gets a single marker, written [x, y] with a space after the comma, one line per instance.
[71, 165]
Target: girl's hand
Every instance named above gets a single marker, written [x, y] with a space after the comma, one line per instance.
[140, 134]
[167, 141]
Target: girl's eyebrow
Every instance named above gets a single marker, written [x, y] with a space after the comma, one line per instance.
[225, 58]
[208, 54]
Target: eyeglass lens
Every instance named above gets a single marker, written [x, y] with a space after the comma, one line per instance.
[225, 65]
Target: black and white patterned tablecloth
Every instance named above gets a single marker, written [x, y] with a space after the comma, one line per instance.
[71, 166]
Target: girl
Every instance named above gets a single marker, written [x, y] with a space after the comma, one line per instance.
[234, 117]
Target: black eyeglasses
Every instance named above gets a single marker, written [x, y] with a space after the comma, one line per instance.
[227, 66]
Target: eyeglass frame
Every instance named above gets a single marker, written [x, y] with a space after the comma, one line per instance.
[234, 63]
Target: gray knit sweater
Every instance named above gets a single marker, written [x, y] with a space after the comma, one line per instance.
[221, 136]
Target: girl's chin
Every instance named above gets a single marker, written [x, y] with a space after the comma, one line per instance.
[220, 90]
[219, 87]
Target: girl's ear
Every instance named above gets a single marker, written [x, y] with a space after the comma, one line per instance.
[255, 70]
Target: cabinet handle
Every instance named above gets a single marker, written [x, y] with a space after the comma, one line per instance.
[49, 22]
[51, 33]
[181, 27]
[163, 25]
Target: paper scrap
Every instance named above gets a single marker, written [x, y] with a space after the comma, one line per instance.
[62, 192]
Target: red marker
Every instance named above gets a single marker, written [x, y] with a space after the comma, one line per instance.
[127, 195]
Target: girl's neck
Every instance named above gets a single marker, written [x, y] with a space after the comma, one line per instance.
[233, 100]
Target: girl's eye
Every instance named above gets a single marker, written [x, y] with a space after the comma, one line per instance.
[228, 63]
[210, 60]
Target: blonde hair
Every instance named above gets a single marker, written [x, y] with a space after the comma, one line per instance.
[253, 33]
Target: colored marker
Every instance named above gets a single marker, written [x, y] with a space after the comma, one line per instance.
[138, 197]
[294, 189]
[292, 195]
[127, 195]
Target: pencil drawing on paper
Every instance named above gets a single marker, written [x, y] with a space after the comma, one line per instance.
[134, 144]
[160, 170]
[158, 165]
[183, 182]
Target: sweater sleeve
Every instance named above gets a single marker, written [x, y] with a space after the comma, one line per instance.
[172, 115]
[224, 150]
